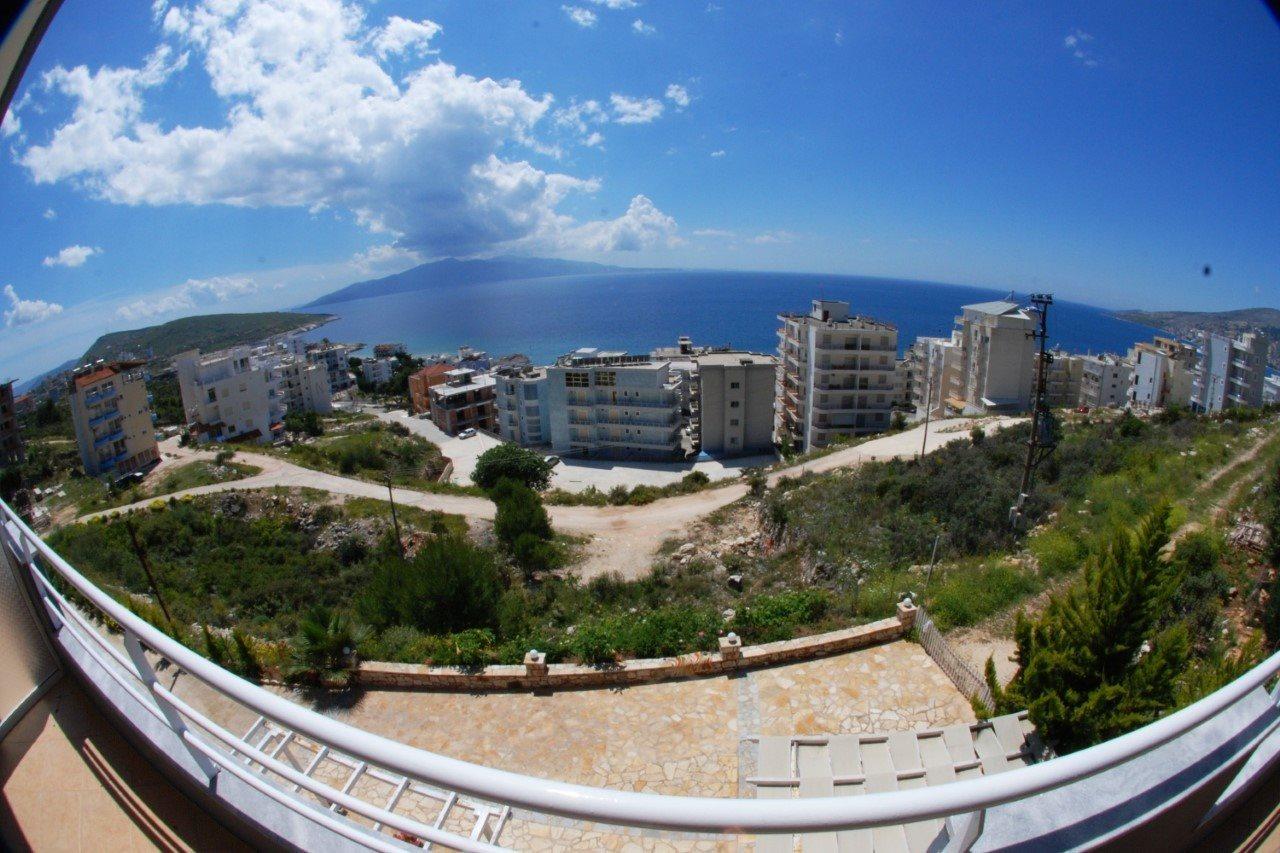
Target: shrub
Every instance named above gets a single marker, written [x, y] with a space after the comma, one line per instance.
[619, 495]
[695, 480]
[511, 462]
[768, 618]
[595, 642]
[449, 585]
[520, 513]
[469, 648]
[223, 457]
[324, 651]
[673, 631]
[898, 422]
[533, 554]
[977, 434]
[757, 481]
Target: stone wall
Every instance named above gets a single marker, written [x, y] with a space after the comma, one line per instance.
[536, 674]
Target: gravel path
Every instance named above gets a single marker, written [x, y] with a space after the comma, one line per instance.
[625, 539]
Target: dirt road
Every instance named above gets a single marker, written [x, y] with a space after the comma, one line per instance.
[625, 539]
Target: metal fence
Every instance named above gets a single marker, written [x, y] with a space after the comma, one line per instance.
[962, 676]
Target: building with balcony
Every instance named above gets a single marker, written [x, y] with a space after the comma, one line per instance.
[111, 413]
[420, 384]
[998, 363]
[935, 373]
[378, 371]
[1161, 373]
[463, 401]
[837, 375]
[1228, 372]
[333, 357]
[304, 386]
[1271, 390]
[520, 395]
[12, 450]
[613, 405]
[736, 402]
[389, 350]
[1062, 379]
[229, 396]
[1105, 381]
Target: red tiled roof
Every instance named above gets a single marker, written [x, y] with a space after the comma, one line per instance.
[96, 376]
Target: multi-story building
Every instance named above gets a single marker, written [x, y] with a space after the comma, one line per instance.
[1104, 382]
[378, 371]
[520, 396]
[420, 384]
[388, 350]
[1063, 379]
[997, 371]
[1271, 390]
[463, 401]
[614, 405]
[1161, 373]
[936, 364]
[12, 451]
[304, 386]
[837, 374]
[1228, 371]
[226, 397]
[735, 402]
[111, 412]
[334, 358]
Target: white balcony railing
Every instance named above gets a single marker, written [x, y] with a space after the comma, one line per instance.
[985, 809]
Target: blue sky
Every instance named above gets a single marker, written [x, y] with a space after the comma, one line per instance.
[231, 155]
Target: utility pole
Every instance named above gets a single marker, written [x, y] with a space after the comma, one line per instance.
[933, 561]
[395, 521]
[146, 569]
[928, 401]
[1042, 442]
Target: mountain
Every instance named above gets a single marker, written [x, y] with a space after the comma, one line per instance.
[454, 271]
[207, 332]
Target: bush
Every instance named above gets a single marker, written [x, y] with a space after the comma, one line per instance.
[977, 434]
[595, 642]
[511, 462]
[533, 555]
[449, 585]
[768, 618]
[619, 495]
[673, 631]
[222, 457]
[520, 513]
[695, 480]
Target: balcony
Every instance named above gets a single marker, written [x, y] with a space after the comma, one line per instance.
[635, 403]
[104, 416]
[1185, 774]
[108, 438]
[108, 393]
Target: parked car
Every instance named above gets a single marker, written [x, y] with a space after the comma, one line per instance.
[467, 433]
[553, 461]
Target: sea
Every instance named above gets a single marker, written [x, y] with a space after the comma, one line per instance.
[637, 311]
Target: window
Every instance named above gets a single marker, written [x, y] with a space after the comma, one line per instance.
[733, 404]
[733, 422]
[577, 380]
[735, 385]
[607, 378]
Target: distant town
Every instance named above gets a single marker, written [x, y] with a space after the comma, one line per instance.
[835, 376]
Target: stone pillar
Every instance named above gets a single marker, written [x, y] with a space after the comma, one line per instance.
[731, 649]
[907, 613]
[535, 663]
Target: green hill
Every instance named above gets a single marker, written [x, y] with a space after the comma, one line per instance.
[207, 332]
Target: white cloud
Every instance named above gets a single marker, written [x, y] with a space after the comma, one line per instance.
[718, 153]
[839, 38]
[774, 237]
[641, 227]
[616, 4]
[634, 110]
[580, 16]
[678, 95]
[50, 213]
[400, 34]
[23, 312]
[312, 120]
[1077, 44]
[714, 232]
[640, 28]
[385, 257]
[11, 125]
[188, 296]
[71, 256]
[593, 139]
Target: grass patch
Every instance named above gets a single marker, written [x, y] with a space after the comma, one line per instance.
[694, 481]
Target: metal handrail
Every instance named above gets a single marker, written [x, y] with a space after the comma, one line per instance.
[667, 812]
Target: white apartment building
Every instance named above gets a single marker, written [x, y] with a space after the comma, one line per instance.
[614, 405]
[837, 374]
[997, 372]
[1105, 381]
[1063, 379]
[111, 412]
[378, 371]
[936, 364]
[304, 386]
[227, 398]
[520, 396]
[1271, 390]
[1228, 372]
[334, 359]
[1161, 374]
[735, 396]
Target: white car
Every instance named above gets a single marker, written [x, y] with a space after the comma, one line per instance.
[467, 433]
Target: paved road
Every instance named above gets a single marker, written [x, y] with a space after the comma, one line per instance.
[625, 538]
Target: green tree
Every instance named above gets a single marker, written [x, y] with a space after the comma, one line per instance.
[520, 513]
[1097, 663]
[511, 462]
[448, 585]
[303, 423]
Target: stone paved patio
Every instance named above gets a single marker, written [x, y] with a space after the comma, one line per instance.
[689, 737]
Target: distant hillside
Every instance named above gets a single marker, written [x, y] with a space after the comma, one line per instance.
[207, 332]
[1183, 323]
[454, 271]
